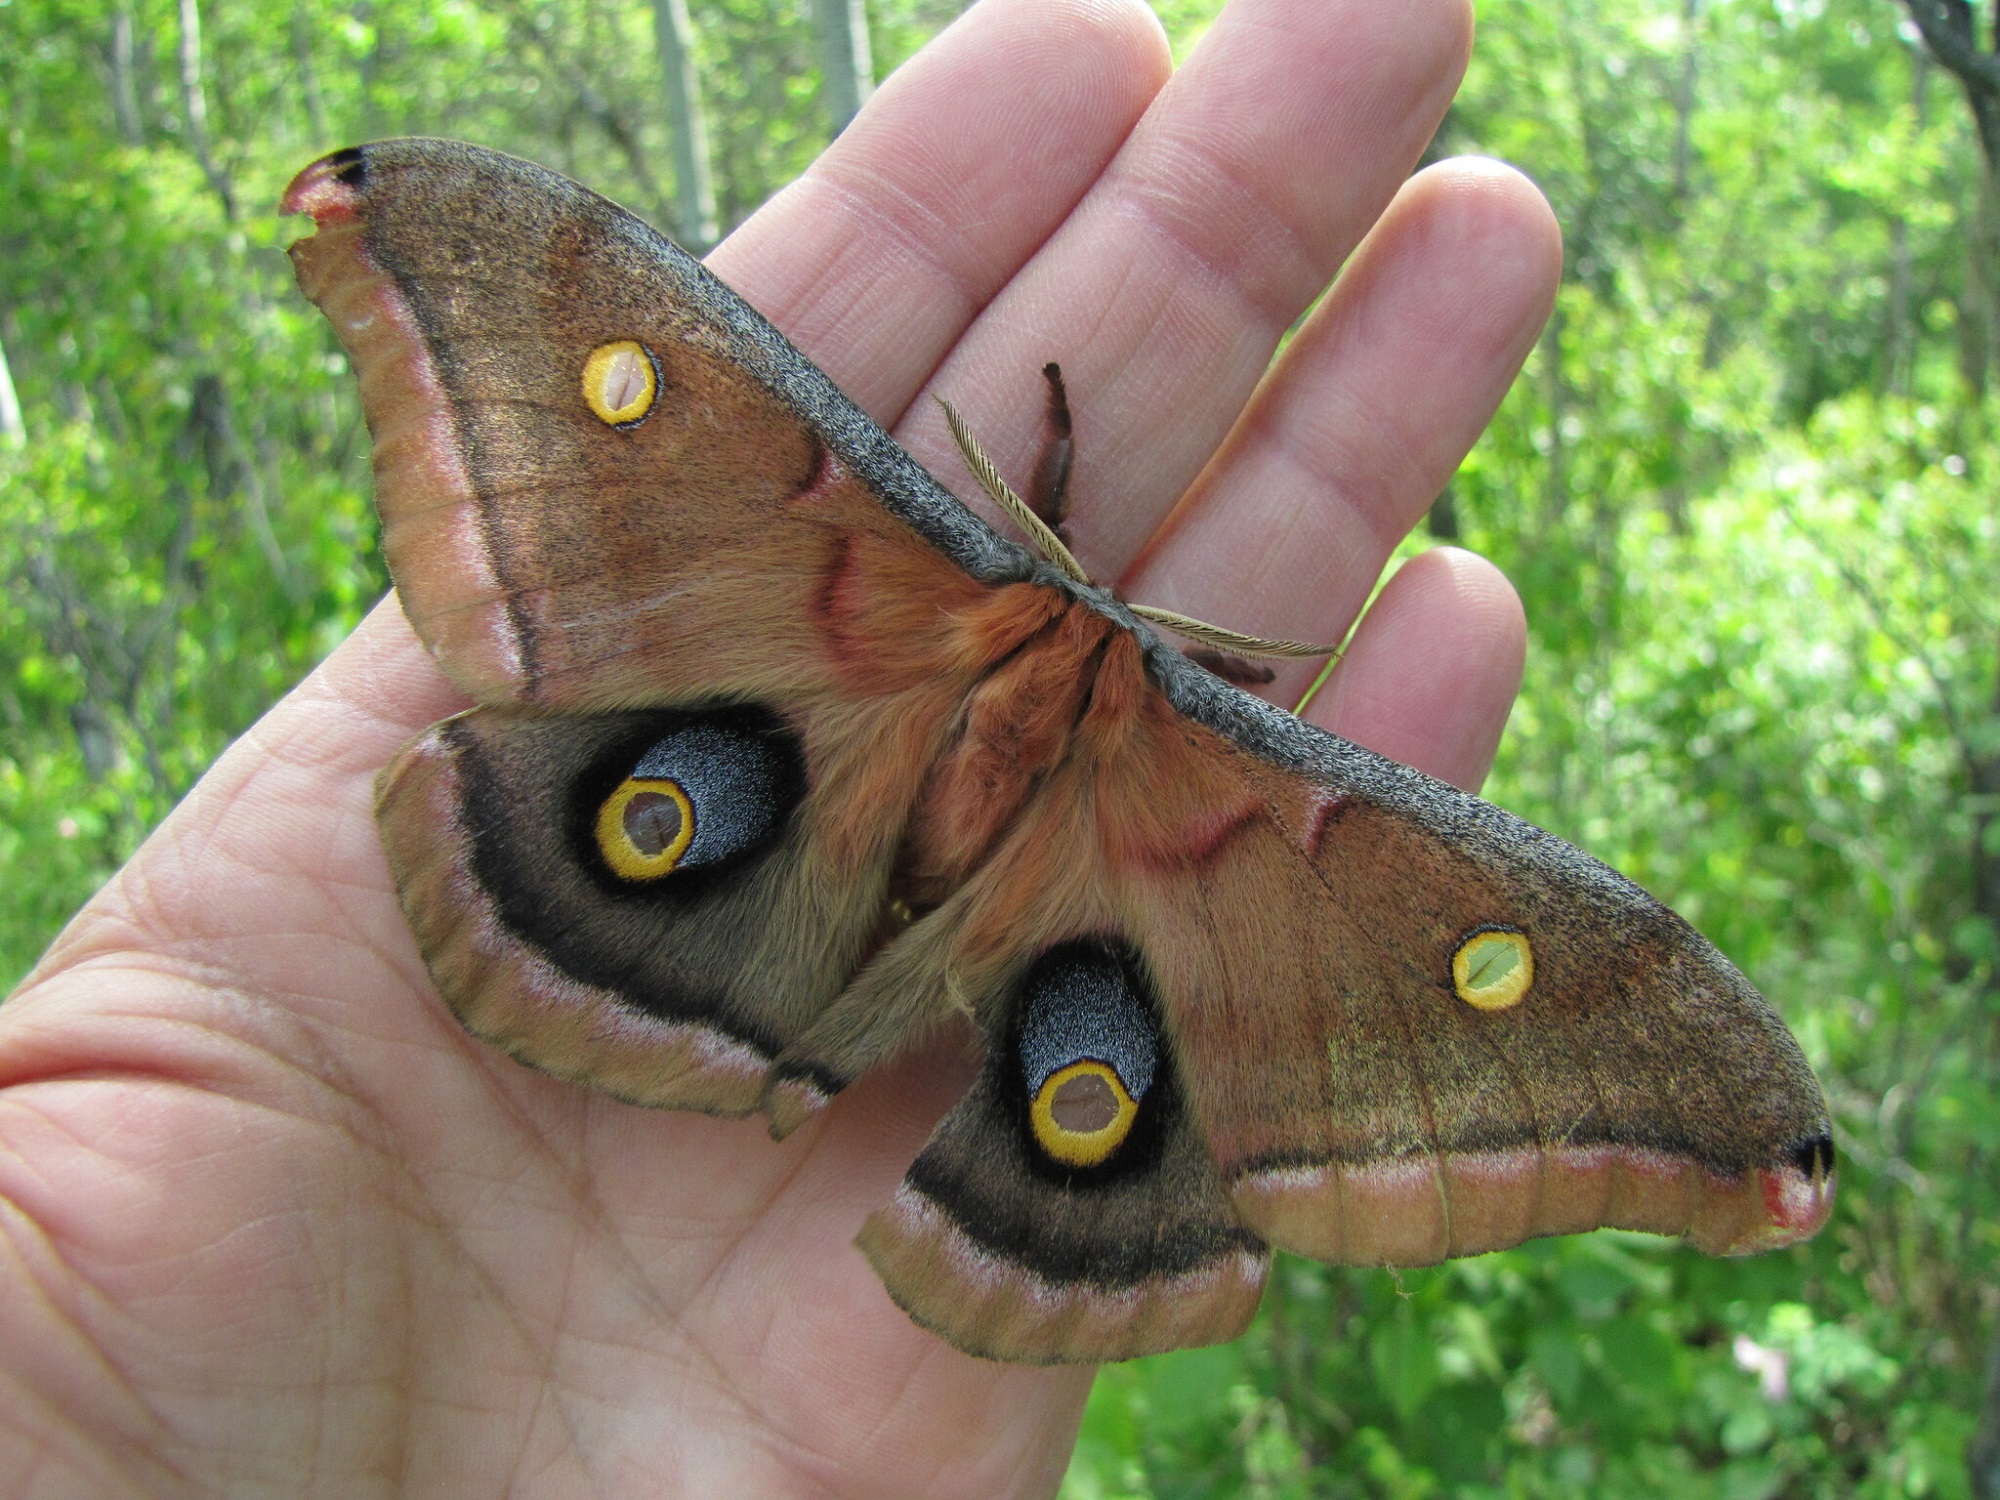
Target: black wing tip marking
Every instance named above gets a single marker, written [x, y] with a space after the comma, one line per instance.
[1813, 1156]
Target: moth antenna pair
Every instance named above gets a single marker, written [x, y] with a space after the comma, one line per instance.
[1211, 640]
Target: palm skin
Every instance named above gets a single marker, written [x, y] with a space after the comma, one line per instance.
[275, 1225]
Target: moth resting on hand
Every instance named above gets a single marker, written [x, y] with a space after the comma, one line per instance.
[782, 758]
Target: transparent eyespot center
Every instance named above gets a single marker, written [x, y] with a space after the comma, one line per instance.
[644, 827]
[1083, 1113]
[1085, 1105]
[620, 383]
[1493, 968]
[653, 821]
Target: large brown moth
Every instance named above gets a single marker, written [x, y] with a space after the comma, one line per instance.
[782, 758]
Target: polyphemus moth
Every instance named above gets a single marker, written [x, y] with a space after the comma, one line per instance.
[782, 758]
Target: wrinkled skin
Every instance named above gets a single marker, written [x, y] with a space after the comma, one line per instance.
[274, 1225]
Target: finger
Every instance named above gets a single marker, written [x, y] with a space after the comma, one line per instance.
[961, 165]
[1367, 415]
[1431, 673]
[1248, 182]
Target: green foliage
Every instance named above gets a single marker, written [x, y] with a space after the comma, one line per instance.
[186, 527]
[1744, 488]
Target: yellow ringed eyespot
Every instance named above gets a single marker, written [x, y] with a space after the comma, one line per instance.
[1082, 1113]
[621, 382]
[644, 827]
[1493, 968]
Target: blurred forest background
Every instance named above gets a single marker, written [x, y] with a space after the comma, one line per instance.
[1745, 487]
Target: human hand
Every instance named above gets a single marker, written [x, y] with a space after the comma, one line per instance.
[276, 1224]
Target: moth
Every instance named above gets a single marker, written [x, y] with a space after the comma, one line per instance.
[782, 759]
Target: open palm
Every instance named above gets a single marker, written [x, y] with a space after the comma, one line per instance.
[274, 1225]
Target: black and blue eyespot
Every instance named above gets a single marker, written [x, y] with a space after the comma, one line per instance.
[698, 796]
[1089, 1049]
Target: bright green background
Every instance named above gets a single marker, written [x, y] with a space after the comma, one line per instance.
[1745, 487]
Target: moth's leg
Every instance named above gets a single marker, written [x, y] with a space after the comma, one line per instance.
[1048, 492]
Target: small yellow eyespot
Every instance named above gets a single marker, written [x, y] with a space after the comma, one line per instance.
[620, 382]
[1493, 969]
[1082, 1113]
[644, 827]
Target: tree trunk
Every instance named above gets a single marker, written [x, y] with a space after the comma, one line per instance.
[1441, 520]
[232, 471]
[309, 89]
[695, 223]
[368, 67]
[1899, 338]
[1982, 1456]
[1555, 401]
[1982, 1453]
[1978, 299]
[194, 109]
[849, 76]
[1684, 98]
[532, 33]
[1950, 30]
[13, 431]
[1982, 757]
[124, 93]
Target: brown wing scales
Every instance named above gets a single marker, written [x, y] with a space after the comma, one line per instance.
[1240, 983]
